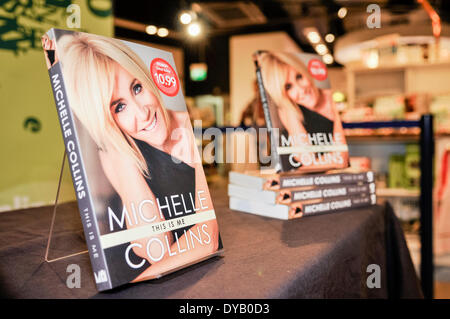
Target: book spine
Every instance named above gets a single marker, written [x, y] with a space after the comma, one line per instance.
[259, 208]
[338, 204]
[79, 179]
[329, 192]
[326, 179]
[276, 162]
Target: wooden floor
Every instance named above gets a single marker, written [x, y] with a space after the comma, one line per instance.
[442, 290]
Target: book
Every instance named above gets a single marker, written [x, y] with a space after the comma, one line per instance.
[302, 208]
[287, 196]
[140, 186]
[273, 181]
[304, 125]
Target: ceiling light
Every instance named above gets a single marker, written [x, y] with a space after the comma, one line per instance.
[163, 32]
[321, 49]
[194, 29]
[329, 37]
[151, 29]
[328, 58]
[196, 7]
[314, 37]
[372, 60]
[185, 18]
[342, 12]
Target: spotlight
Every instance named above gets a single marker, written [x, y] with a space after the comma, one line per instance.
[185, 18]
[342, 12]
[372, 60]
[329, 37]
[163, 32]
[328, 58]
[314, 37]
[151, 29]
[194, 29]
[321, 49]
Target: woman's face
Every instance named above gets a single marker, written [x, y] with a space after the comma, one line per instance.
[136, 110]
[300, 90]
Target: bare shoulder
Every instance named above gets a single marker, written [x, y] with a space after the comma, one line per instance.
[112, 161]
[181, 117]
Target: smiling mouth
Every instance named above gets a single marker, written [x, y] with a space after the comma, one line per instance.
[152, 124]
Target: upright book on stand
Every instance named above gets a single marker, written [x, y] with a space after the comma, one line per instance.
[141, 190]
[305, 128]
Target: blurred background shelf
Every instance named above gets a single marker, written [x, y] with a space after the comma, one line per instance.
[398, 192]
[400, 138]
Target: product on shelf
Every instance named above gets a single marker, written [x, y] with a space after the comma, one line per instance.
[389, 108]
[440, 108]
[360, 163]
[412, 166]
[143, 197]
[396, 175]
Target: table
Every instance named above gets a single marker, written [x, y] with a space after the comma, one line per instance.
[323, 256]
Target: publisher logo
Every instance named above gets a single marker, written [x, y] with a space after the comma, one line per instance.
[74, 278]
[317, 69]
[100, 276]
[164, 77]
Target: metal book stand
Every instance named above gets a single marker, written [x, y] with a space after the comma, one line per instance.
[52, 224]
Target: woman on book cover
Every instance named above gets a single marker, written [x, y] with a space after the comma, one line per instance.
[301, 107]
[49, 48]
[147, 152]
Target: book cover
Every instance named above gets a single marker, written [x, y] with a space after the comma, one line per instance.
[287, 196]
[303, 122]
[260, 181]
[301, 208]
[141, 190]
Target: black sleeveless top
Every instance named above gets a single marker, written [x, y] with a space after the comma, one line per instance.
[313, 123]
[166, 178]
[169, 178]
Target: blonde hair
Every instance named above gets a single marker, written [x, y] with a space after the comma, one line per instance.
[274, 70]
[88, 63]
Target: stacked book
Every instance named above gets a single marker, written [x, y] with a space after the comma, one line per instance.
[306, 137]
[287, 195]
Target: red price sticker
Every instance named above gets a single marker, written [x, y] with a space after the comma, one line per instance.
[164, 77]
[317, 69]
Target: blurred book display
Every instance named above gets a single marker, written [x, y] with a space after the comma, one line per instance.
[308, 146]
[303, 122]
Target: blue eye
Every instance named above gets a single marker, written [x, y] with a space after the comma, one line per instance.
[137, 89]
[119, 107]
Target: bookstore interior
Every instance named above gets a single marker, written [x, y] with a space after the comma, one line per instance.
[246, 149]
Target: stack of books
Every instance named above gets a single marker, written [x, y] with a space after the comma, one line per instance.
[309, 152]
[287, 195]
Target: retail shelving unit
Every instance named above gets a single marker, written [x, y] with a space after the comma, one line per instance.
[394, 138]
[426, 141]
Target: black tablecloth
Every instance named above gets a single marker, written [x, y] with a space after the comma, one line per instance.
[322, 256]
